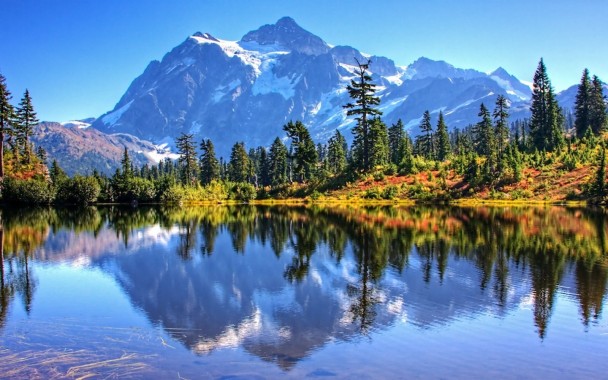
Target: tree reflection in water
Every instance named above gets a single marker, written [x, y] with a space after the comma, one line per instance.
[335, 272]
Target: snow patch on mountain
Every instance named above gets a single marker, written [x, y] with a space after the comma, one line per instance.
[222, 91]
[111, 118]
[76, 124]
[267, 82]
[250, 53]
[508, 87]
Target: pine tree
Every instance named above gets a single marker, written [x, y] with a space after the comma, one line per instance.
[239, 166]
[545, 125]
[600, 174]
[25, 123]
[597, 112]
[582, 105]
[41, 154]
[209, 165]
[57, 174]
[126, 165]
[263, 167]
[362, 93]
[501, 124]
[7, 117]
[336, 153]
[379, 144]
[443, 139]
[484, 133]
[187, 159]
[305, 153]
[424, 141]
[395, 141]
[277, 170]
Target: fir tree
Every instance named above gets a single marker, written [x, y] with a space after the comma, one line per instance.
[396, 136]
[379, 147]
[209, 165]
[305, 154]
[582, 109]
[501, 125]
[424, 141]
[126, 165]
[600, 174]
[443, 139]
[336, 153]
[277, 169]
[25, 123]
[41, 154]
[187, 159]
[362, 93]
[7, 117]
[239, 166]
[57, 174]
[263, 167]
[545, 125]
[597, 112]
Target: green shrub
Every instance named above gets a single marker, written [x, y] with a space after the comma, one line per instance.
[315, 195]
[378, 176]
[79, 190]
[27, 191]
[172, 195]
[390, 192]
[372, 193]
[242, 192]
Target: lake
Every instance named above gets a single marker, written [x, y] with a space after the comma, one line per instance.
[234, 292]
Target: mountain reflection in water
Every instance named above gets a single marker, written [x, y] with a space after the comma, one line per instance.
[281, 282]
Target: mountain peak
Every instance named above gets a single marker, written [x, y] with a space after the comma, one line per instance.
[501, 73]
[287, 33]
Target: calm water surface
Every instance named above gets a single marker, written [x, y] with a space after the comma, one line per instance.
[304, 292]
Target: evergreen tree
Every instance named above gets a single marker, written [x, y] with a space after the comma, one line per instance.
[362, 93]
[424, 141]
[41, 154]
[582, 109]
[396, 136]
[126, 165]
[484, 133]
[545, 125]
[597, 112]
[209, 165]
[501, 125]
[443, 139]
[7, 117]
[25, 123]
[57, 174]
[600, 174]
[263, 167]
[305, 154]
[336, 153]
[239, 166]
[187, 159]
[379, 147]
[277, 165]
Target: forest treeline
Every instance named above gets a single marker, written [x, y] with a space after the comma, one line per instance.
[491, 155]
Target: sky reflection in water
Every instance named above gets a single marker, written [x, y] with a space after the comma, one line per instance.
[307, 291]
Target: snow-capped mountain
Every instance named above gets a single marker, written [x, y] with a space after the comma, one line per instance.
[247, 90]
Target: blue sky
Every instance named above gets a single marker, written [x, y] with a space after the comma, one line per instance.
[77, 57]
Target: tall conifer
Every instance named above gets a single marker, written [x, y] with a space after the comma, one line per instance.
[362, 93]
[582, 110]
[443, 139]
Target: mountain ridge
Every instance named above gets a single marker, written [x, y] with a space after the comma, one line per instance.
[246, 90]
